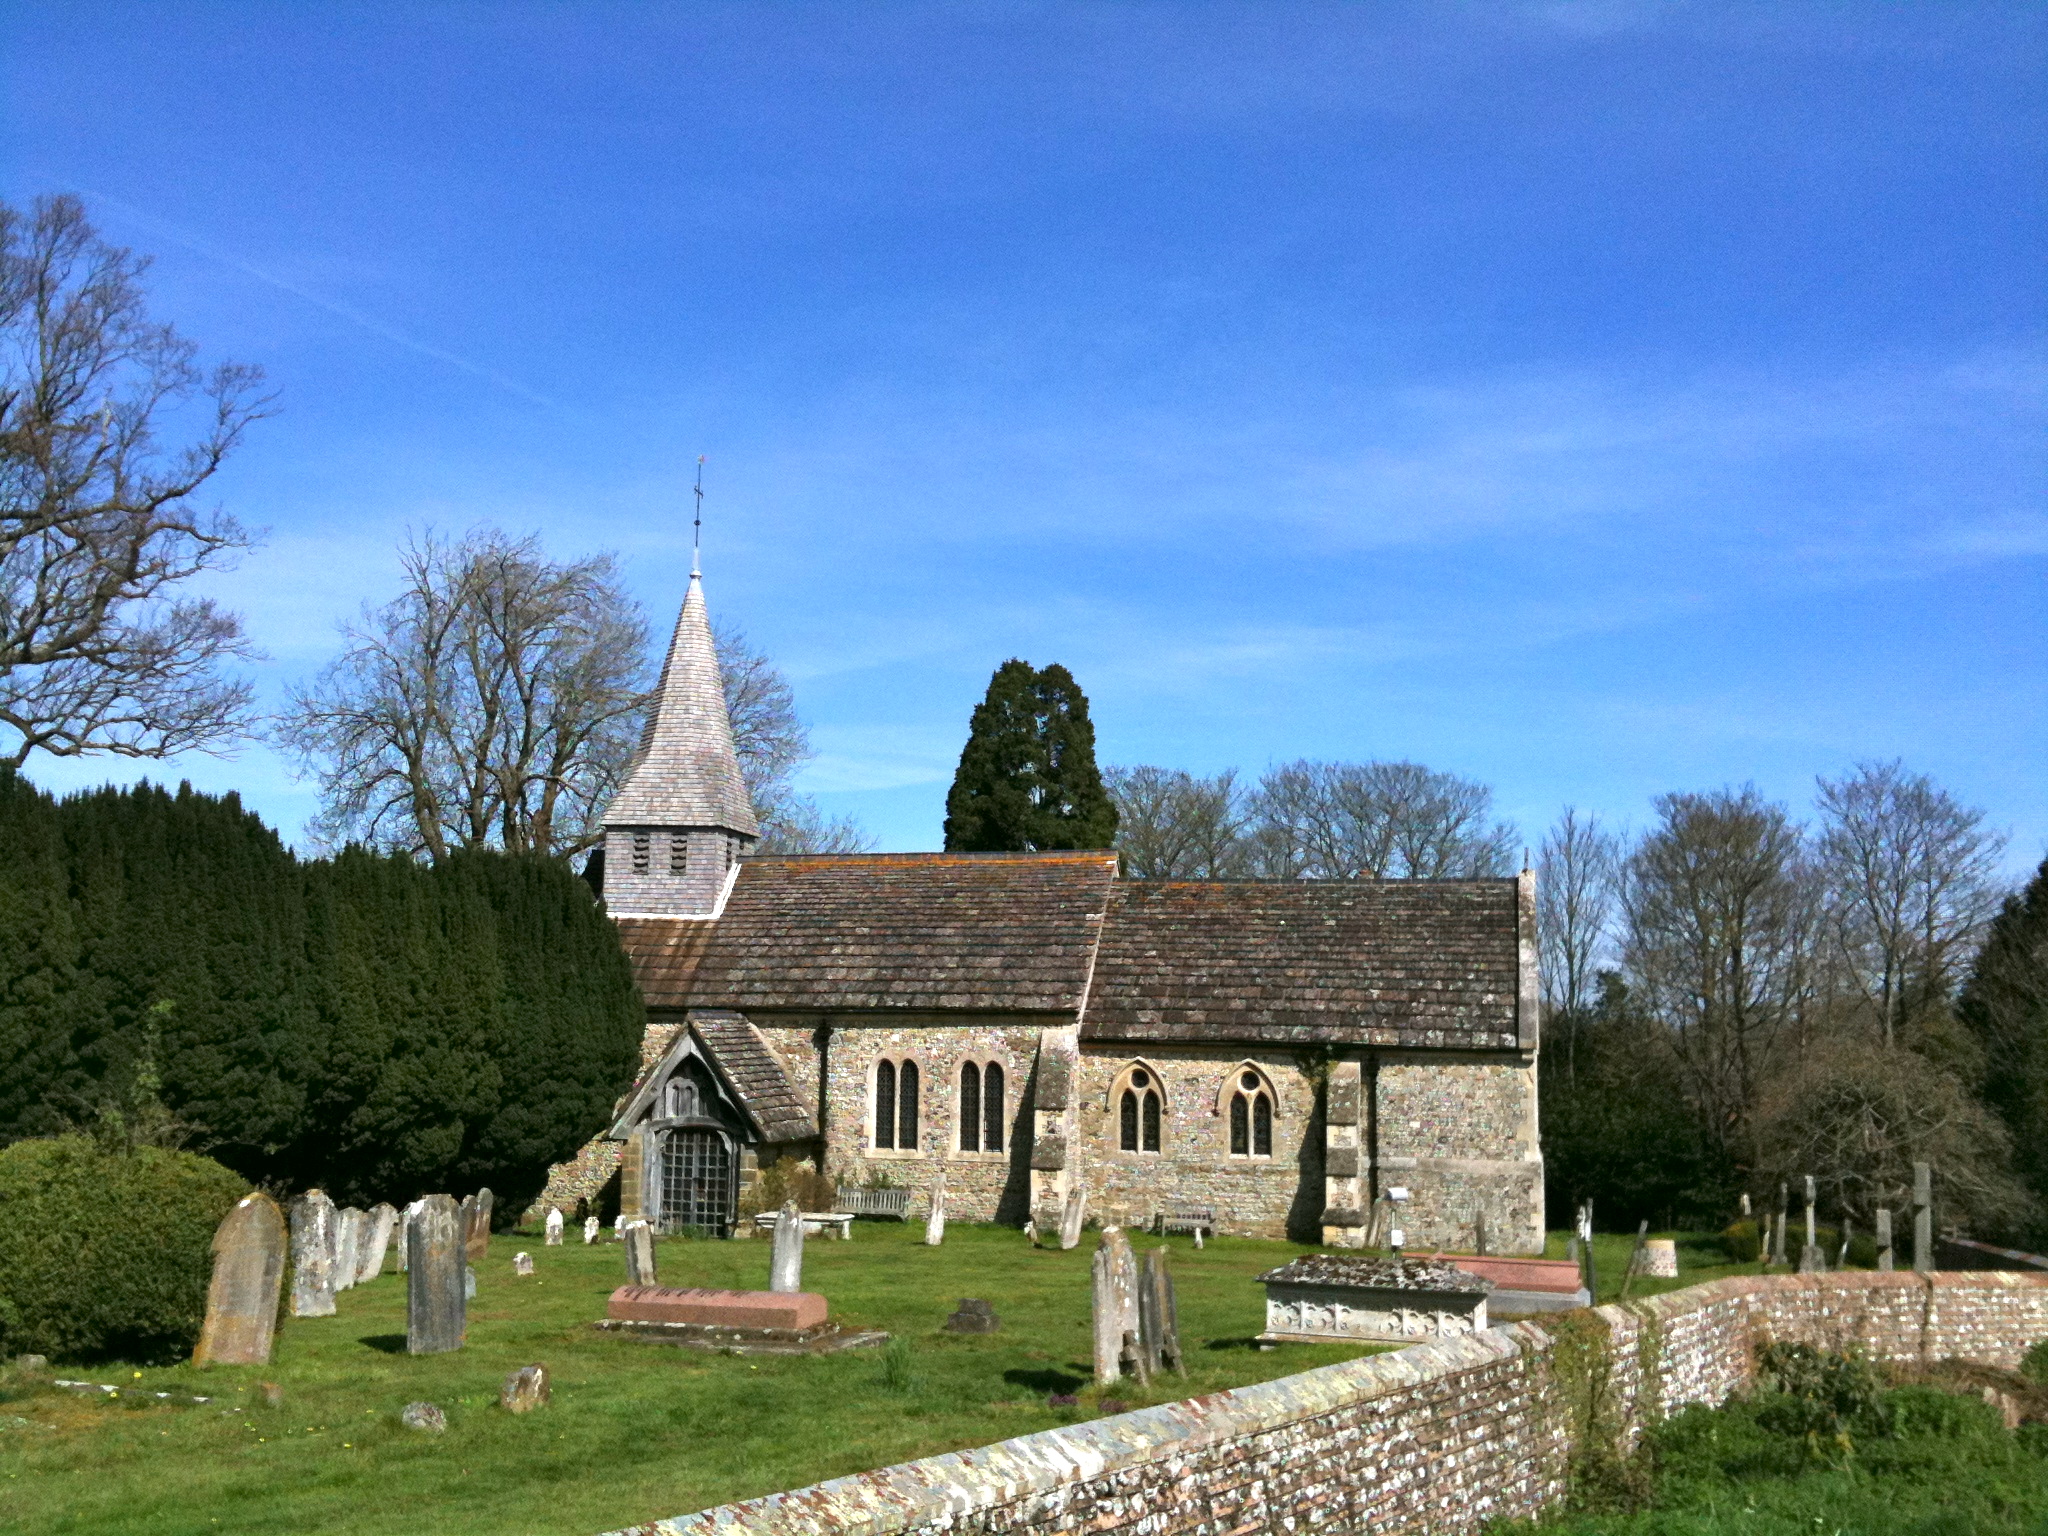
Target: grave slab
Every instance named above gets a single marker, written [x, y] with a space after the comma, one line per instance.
[1321, 1297]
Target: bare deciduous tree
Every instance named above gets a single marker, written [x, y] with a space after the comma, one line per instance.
[1173, 825]
[1911, 876]
[1576, 873]
[1718, 910]
[99, 526]
[1366, 821]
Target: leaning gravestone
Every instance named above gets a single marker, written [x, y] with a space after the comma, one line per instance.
[348, 1238]
[935, 1223]
[312, 1224]
[436, 1313]
[1159, 1316]
[640, 1254]
[480, 1228]
[1115, 1275]
[378, 1226]
[241, 1299]
[786, 1262]
[554, 1228]
[398, 1233]
[1071, 1217]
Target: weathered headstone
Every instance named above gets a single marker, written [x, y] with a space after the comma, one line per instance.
[972, 1316]
[553, 1228]
[786, 1260]
[1886, 1261]
[1842, 1253]
[1811, 1260]
[312, 1222]
[525, 1389]
[1071, 1217]
[1923, 1219]
[436, 1308]
[348, 1247]
[935, 1222]
[640, 1254]
[591, 1227]
[398, 1234]
[378, 1226]
[241, 1298]
[478, 1238]
[1115, 1275]
[1159, 1315]
[469, 1282]
[424, 1416]
[522, 1263]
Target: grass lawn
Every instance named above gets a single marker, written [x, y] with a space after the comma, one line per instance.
[1700, 1258]
[636, 1431]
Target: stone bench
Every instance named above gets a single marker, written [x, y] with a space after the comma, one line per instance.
[873, 1202]
[840, 1222]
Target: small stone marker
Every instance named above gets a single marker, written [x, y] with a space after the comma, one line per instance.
[1071, 1217]
[241, 1298]
[1159, 1315]
[478, 1237]
[469, 1282]
[312, 1223]
[32, 1362]
[640, 1254]
[522, 1263]
[348, 1247]
[973, 1316]
[554, 1228]
[1886, 1261]
[786, 1261]
[525, 1390]
[1115, 1273]
[436, 1311]
[1660, 1258]
[591, 1227]
[424, 1416]
[935, 1223]
[378, 1224]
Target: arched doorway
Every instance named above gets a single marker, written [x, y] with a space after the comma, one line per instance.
[697, 1181]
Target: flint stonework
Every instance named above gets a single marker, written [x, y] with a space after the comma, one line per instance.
[786, 1262]
[312, 1223]
[436, 1306]
[241, 1298]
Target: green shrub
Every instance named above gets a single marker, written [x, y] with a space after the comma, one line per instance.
[2034, 1363]
[1743, 1241]
[106, 1253]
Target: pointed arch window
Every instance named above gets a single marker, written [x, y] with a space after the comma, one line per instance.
[1140, 1112]
[1251, 1117]
[992, 1108]
[895, 1127]
[682, 1098]
[970, 1107]
[981, 1107]
[885, 1104]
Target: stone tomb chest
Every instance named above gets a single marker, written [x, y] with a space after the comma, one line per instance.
[1324, 1296]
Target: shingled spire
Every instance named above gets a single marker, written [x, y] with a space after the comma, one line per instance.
[677, 827]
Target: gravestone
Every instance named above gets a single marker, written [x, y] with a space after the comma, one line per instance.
[378, 1227]
[640, 1254]
[786, 1261]
[1886, 1261]
[972, 1316]
[424, 1416]
[1115, 1276]
[553, 1228]
[1811, 1260]
[312, 1223]
[348, 1242]
[1159, 1315]
[1071, 1217]
[525, 1389]
[1923, 1219]
[935, 1223]
[522, 1263]
[1351, 1297]
[436, 1303]
[478, 1238]
[398, 1235]
[591, 1227]
[241, 1298]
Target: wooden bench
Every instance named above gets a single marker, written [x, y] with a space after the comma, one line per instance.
[1195, 1219]
[814, 1222]
[874, 1202]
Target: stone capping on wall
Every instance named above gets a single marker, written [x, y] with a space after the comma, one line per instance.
[1443, 1437]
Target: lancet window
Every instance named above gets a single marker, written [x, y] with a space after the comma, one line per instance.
[1140, 1112]
[981, 1107]
[1251, 1116]
[896, 1106]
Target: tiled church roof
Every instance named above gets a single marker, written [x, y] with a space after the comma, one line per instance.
[1394, 962]
[753, 1073]
[686, 774]
[852, 932]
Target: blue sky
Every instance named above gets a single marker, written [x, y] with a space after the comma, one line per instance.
[1597, 399]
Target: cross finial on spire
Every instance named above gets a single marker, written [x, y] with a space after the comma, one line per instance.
[697, 529]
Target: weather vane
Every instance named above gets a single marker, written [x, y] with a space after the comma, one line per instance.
[697, 532]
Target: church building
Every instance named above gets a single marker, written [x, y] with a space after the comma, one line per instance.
[1281, 1054]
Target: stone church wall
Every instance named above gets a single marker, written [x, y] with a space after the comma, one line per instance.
[1444, 1438]
[1460, 1135]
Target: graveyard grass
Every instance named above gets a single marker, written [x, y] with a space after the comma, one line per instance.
[636, 1431]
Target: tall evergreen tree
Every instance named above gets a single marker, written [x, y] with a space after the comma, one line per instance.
[2005, 1004]
[1027, 778]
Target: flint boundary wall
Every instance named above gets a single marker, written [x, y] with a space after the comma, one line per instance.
[1439, 1438]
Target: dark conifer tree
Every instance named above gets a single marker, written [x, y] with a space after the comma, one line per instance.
[1027, 778]
[2005, 1004]
[39, 1066]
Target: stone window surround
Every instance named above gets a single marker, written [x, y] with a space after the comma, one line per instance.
[897, 1058]
[1233, 1085]
[1112, 1109]
[984, 1060]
